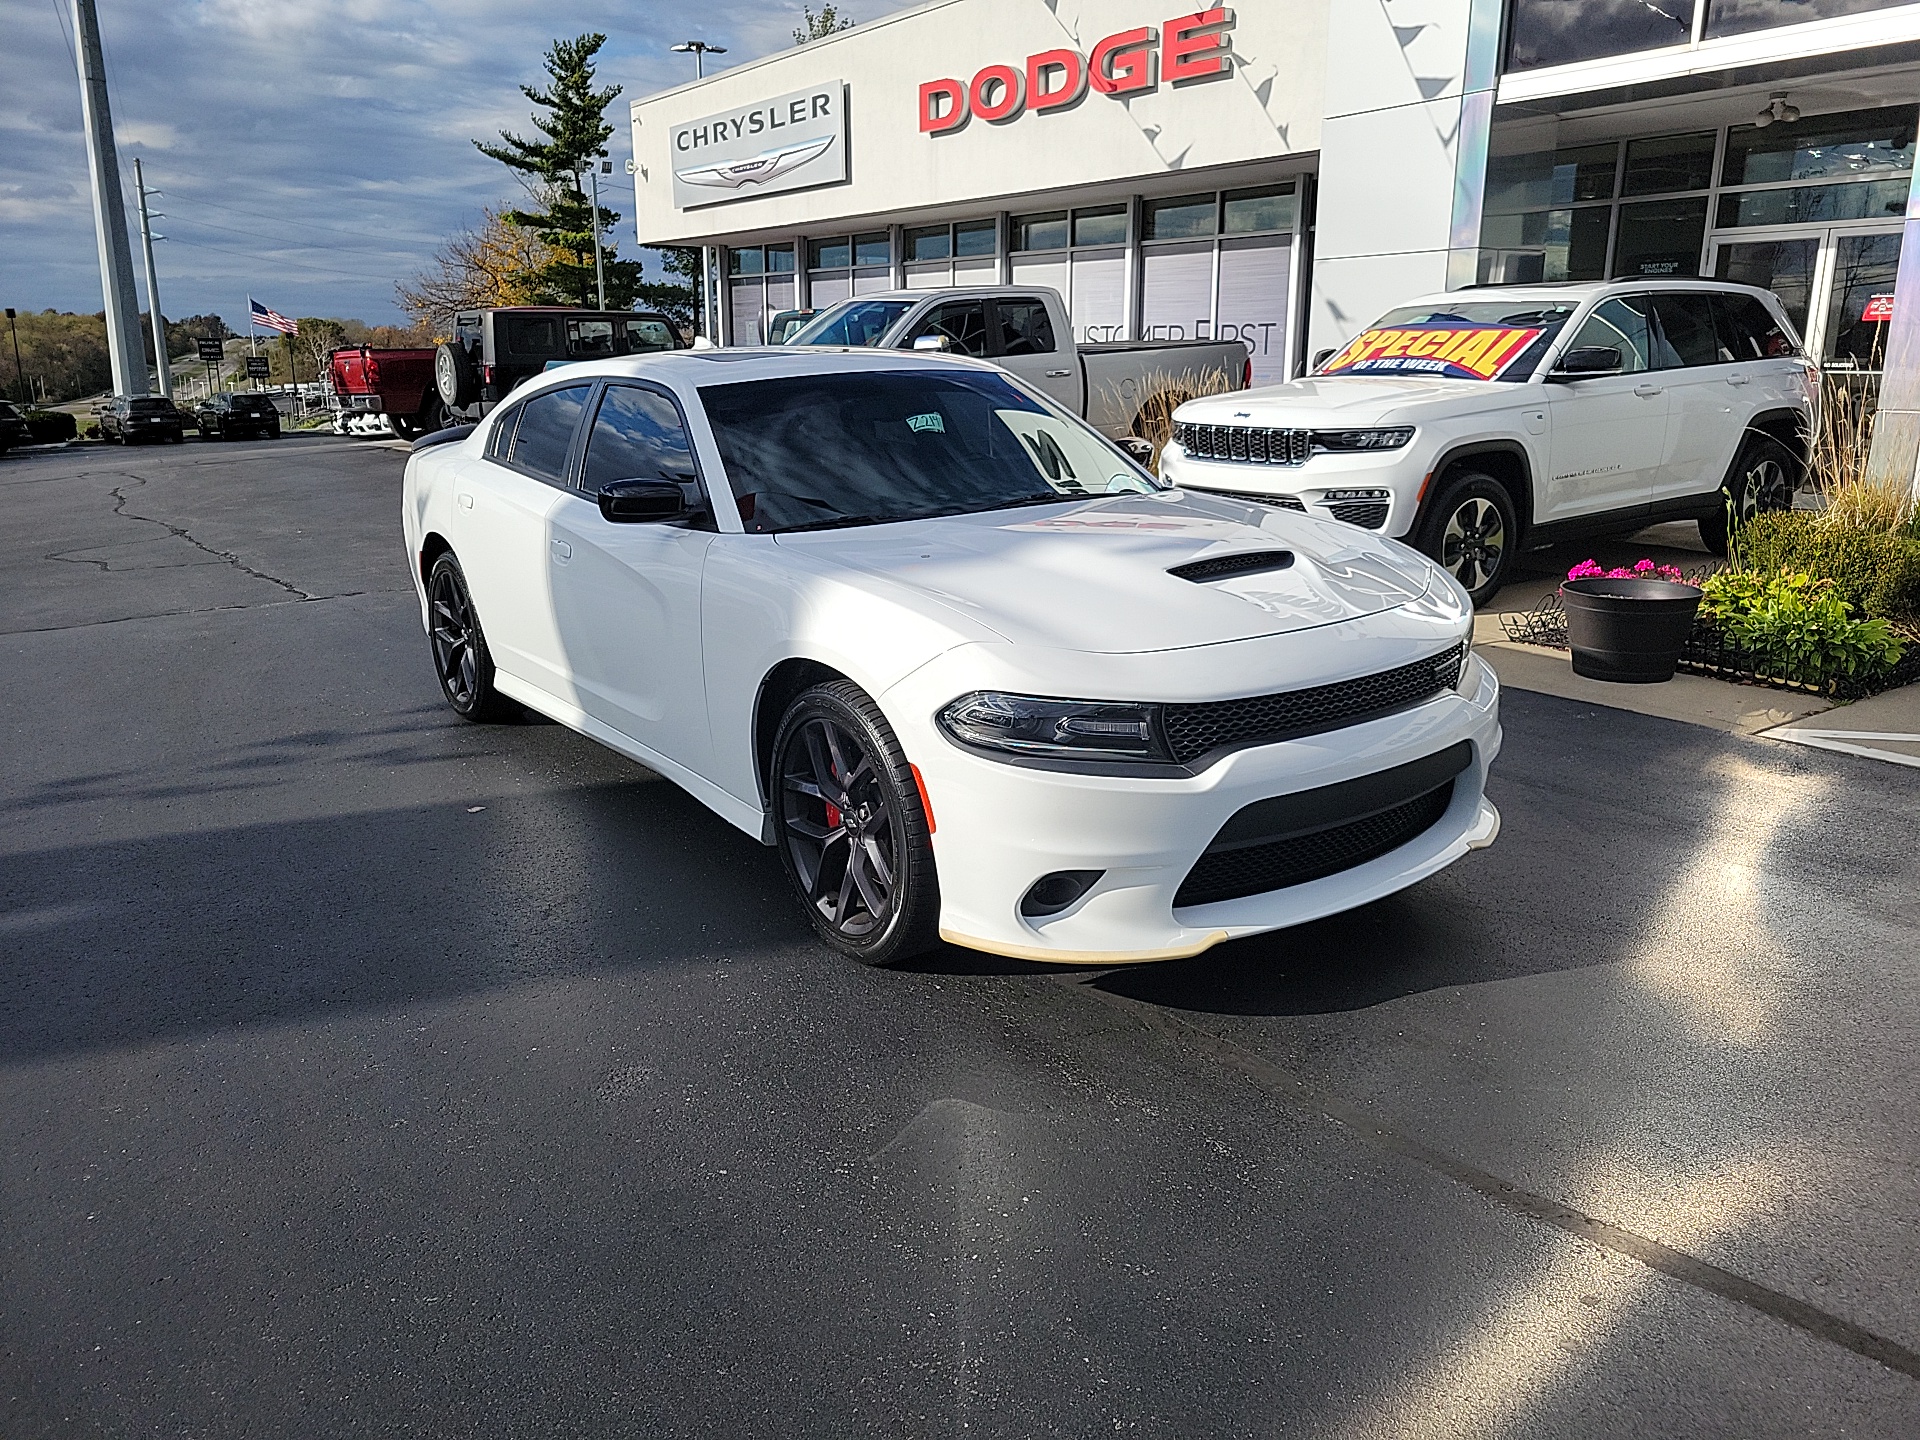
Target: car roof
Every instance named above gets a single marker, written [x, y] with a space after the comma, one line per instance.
[689, 369]
[1575, 292]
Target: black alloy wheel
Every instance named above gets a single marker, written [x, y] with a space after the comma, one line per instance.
[1764, 476]
[1471, 533]
[460, 656]
[852, 833]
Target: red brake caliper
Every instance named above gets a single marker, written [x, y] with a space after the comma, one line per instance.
[833, 815]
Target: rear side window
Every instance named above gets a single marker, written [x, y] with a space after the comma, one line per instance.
[1748, 329]
[1620, 324]
[590, 337]
[637, 435]
[1685, 335]
[545, 433]
[964, 323]
[644, 336]
[500, 440]
[1025, 328]
[532, 337]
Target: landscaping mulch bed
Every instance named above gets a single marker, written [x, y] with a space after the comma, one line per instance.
[1709, 653]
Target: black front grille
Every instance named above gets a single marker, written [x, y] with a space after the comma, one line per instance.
[1257, 869]
[1196, 730]
[1279, 502]
[1246, 444]
[1367, 514]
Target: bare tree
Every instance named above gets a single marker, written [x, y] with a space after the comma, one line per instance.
[818, 27]
[500, 263]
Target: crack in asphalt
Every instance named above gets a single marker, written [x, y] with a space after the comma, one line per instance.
[197, 610]
[1675, 1264]
[120, 500]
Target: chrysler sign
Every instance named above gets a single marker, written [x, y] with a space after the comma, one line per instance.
[787, 143]
[1185, 49]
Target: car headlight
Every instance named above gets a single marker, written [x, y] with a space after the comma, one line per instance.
[1387, 438]
[1033, 725]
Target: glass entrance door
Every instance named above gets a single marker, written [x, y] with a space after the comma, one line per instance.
[1835, 282]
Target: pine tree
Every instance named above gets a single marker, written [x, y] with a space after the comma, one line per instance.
[575, 129]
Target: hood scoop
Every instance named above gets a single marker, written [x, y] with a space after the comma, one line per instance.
[1226, 567]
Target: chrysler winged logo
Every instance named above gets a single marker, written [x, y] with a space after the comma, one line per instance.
[756, 169]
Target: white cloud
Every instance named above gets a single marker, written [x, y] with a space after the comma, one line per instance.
[329, 139]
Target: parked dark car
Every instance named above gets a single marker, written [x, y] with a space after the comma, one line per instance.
[784, 323]
[494, 350]
[230, 414]
[13, 427]
[128, 418]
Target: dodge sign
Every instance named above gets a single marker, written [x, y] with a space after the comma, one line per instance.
[790, 142]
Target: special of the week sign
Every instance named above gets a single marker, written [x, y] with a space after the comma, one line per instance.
[1475, 352]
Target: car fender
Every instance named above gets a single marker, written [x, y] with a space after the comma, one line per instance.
[1453, 452]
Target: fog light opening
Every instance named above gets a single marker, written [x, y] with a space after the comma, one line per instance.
[1051, 894]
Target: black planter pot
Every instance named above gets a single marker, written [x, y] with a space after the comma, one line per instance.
[1628, 630]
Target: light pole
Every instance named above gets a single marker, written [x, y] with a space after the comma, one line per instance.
[19, 375]
[699, 49]
[595, 165]
[160, 370]
[109, 208]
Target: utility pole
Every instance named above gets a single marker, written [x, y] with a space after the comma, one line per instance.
[599, 270]
[19, 375]
[109, 209]
[161, 372]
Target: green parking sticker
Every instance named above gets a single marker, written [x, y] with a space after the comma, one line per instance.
[920, 424]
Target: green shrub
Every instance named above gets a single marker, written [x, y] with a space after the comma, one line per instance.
[45, 427]
[1875, 571]
[1798, 627]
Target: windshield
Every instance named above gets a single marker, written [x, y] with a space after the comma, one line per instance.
[852, 322]
[1462, 340]
[815, 452]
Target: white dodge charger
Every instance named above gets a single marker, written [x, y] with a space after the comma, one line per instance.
[978, 675]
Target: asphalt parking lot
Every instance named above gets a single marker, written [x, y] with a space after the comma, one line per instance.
[365, 1072]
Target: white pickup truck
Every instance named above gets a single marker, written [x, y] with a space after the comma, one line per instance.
[1024, 329]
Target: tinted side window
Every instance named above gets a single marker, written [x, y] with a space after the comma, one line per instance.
[545, 432]
[1685, 334]
[964, 323]
[1749, 330]
[1025, 328]
[1622, 324]
[636, 436]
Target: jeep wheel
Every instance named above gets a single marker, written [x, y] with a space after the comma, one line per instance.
[1470, 533]
[1764, 476]
[454, 376]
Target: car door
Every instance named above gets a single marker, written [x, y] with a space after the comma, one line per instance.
[504, 505]
[1706, 413]
[627, 596]
[1606, 433]
[1023, 341]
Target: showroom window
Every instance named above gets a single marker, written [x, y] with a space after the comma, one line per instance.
[759, 284]
[960, 254]
[848, 265]
[1081, 253]
[1565, 32]
[1219, 264]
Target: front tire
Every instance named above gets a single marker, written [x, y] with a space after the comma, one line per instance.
[1471, 532]
[852, 833]
[460, 656]
[1763, 477]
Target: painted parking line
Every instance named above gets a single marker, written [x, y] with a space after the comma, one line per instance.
[1840, 740]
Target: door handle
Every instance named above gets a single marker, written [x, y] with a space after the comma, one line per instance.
[562, 550]
[1646, 391]
[1058, 374]
[1736, 379]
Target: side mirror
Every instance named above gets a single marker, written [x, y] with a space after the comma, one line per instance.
[1585, 361]
[628, 502]
[933, 342]
[1138, 449]
[1320, 357]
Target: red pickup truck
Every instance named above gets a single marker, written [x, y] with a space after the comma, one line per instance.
[380, 392]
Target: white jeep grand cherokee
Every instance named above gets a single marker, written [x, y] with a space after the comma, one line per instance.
[1481, 422]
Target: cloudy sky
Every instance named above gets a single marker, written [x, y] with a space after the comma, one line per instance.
[312, 151]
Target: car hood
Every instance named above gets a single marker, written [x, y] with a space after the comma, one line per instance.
[1093, 576]
[1344, 400]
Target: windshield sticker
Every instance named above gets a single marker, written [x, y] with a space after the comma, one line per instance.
[1473, 352]
[921, 424]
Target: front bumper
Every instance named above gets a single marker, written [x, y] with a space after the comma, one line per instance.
[1000, 827]
[1314, 487]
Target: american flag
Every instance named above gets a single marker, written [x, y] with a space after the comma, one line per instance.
[270, 319]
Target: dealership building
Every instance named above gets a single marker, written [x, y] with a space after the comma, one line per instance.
[1284, 171]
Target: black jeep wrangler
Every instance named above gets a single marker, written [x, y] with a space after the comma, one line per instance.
[494, 350]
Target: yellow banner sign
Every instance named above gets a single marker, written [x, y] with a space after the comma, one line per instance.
[1474, 352]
